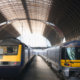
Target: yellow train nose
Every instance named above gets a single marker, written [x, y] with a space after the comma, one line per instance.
[70, 63]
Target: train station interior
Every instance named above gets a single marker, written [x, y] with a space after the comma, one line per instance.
[40, 24]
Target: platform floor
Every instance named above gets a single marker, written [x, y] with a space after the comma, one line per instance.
[39, 70]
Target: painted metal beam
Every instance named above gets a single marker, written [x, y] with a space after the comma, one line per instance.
[27, 13]
[57, 30]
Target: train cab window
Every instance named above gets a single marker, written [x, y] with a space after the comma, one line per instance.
[78, 52]
[73, 53]
[70, 53]
[64, 54]
[9, 50]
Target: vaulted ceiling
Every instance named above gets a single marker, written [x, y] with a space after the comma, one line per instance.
[53, 19]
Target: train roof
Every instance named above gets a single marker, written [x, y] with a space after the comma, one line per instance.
[9, 41]
[72, 43]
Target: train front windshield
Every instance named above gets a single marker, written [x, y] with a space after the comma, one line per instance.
[71, 53]
[8, 50]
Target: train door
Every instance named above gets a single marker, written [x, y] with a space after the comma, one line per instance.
[47, 54]
[26, 54]
[56, 58]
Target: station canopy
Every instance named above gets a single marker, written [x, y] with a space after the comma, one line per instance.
[54, 19]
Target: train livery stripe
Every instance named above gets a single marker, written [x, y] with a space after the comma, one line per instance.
[14, 58]
[71, 63]
[19, 53]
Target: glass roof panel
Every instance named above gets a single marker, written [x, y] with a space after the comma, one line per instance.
[14, 9]
[40, 8]
[37, 27]
[21, 25]
[37, 9]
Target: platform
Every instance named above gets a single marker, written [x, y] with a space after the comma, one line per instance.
[39, 70]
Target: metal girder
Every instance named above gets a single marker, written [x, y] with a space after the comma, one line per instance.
[2, 18]
[27, 13]
[57, 30]
[39, 47]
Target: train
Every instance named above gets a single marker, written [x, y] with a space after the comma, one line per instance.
[64, 59]
[14, 56]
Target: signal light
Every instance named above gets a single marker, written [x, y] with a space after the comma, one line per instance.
[68, 64]
[15, 63]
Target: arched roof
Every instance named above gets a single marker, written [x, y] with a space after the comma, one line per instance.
[53, 19]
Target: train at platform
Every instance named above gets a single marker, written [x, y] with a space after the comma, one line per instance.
[64, 58]
[14, 56]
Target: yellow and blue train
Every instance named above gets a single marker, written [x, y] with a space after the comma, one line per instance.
[64, 58]
[14, 55]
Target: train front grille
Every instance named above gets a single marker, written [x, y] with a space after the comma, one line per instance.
[5, 63]
[75, 72]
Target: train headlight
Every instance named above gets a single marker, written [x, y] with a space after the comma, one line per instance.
[14, 63]
[67, 64]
